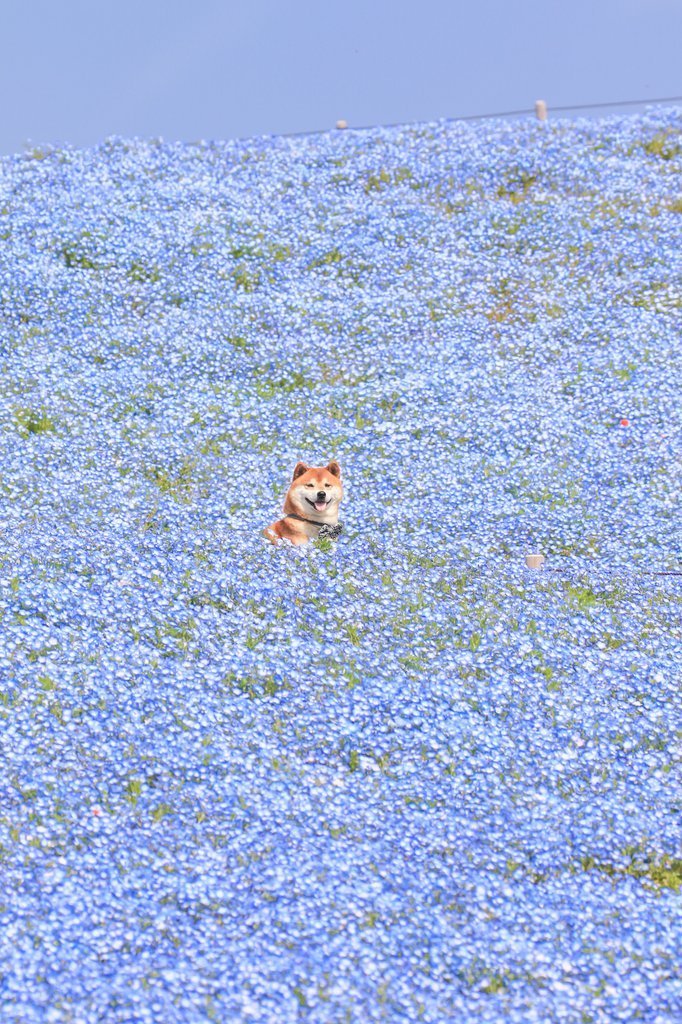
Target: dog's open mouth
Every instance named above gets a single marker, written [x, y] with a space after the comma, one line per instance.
[319, 506]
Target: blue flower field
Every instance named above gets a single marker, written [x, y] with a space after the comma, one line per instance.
[400, 777]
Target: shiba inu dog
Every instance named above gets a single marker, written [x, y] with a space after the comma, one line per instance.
[311, 507]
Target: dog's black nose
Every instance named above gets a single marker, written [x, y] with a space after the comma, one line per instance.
[321, 495]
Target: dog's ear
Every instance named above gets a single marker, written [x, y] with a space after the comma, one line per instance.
[334, 469]
[299, 469]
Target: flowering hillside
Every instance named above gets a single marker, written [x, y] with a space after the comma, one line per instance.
[400, 777]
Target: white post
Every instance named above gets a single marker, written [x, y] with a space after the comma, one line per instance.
[534, 561]
[541, 110]
[342, 124]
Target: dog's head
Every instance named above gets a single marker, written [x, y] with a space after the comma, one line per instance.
[315, 493]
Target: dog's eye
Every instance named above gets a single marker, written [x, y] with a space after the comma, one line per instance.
[309, 485]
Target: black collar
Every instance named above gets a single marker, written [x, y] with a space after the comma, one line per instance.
[294, 515]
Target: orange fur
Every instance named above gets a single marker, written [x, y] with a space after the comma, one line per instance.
[308, 484]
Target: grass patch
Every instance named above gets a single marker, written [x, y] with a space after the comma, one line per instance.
[516, 186]
[584, 598]
[381, 180]
[34, 421]
[664, 145]
[177, 483]
[275, 386]
[253, 687]
[78, 259]
[141, 274]
[663, 872]
[239, 343]
[347, 268]
[245, 279]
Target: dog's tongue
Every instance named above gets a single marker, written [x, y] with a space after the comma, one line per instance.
[320, 506]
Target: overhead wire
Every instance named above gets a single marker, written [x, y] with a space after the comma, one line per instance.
[500, 113]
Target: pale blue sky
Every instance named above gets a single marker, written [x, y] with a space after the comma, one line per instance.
[78, 71]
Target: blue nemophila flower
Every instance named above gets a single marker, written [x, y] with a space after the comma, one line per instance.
[402, 776]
